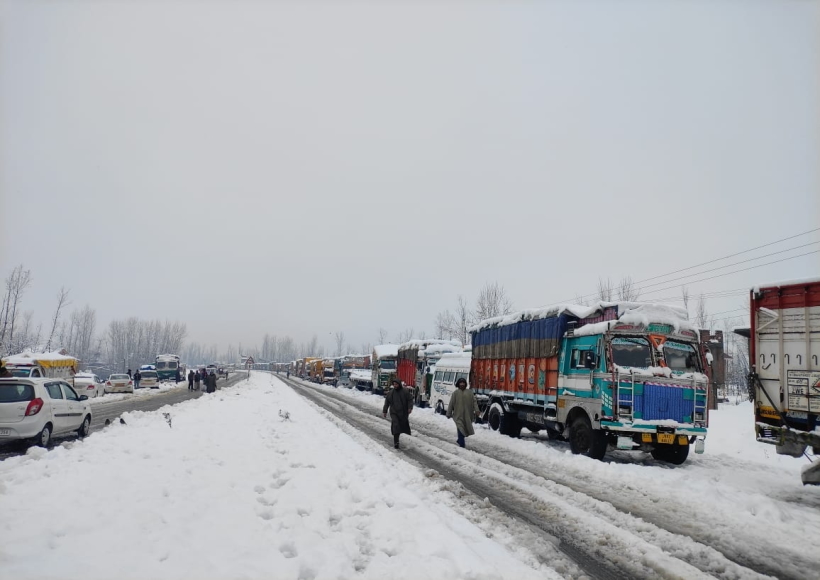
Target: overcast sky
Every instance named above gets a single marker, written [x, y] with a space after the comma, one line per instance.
[301, 168]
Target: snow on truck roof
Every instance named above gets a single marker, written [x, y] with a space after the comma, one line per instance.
[46, 359]
[628, 313]
[455, 360]
[386, 350]
[795, 282]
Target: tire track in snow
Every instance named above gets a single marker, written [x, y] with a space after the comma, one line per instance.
[720, 555]
[615, 544]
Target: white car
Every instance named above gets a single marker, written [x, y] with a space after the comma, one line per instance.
[149, 379]
[119, 383]
[39, 409]
[88, 384]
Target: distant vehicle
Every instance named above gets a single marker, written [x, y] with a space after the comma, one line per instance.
[784, 381]
[149, 379]
[39, 409]
[416, 360]
[384, 366]
[119, 383]
[449, 369]
[89, 384]
[167, 366]
[42, 364]
[361, 379]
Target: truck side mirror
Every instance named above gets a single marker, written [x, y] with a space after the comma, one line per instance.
[590, 360]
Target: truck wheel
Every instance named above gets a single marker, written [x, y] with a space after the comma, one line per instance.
[674, 454]
[584, 440]
[496, 416]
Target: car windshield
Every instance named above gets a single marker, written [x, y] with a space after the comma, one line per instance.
[20, 372]
[631, 352]
[387, 365]
[680, 357]
[118, 378]
[15, 393]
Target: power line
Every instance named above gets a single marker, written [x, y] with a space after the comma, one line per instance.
[730, 255]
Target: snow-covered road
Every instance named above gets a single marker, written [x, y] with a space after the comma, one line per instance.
[233, 489]
[737, 511]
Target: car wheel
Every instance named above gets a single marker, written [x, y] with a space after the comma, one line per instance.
[44, 438]
[84, 429]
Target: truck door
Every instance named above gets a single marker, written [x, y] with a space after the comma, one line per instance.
[59, 407]
[575, 376]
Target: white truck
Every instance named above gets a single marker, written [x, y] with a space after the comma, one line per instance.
[784, 378]
[29, 364]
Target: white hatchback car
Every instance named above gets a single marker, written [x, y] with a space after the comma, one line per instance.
[119, 383]
[39, 409]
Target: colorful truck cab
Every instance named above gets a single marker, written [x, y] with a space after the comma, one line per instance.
[623, 375]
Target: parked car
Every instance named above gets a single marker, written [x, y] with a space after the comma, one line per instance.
[89, 384]
[120, 383]
[150, 379]
[38, 409]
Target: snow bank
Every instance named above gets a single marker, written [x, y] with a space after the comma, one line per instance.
[250, 482]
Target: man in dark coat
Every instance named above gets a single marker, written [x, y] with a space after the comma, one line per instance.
[177, 378]
[197, 378]
[191, 380]
[211, 382]
[400, 403]
[137, 379]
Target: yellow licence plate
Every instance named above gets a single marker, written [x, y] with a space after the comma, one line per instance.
[666, 438]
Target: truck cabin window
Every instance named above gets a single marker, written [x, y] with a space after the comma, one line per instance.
[680, 357]
[388, 365]
[631, 352]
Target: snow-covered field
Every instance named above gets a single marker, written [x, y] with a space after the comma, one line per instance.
[232, 489]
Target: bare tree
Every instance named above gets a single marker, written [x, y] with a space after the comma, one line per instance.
[62, 300]
[339, 338]
[406, 335]
[605, 290]
[701, 313]
[627, 290]
[446, 326]
[492, 301]
[16, 285]
[579, 299]
[382, 335]
[684, 292]
[463, 318]
[313, 347]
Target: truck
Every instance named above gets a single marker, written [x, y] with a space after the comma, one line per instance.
[58, 364]
[347, 363]
[613, 375]
[416, 361]
[167, 366]
[383, 364]
[784, 374]
[329, 376]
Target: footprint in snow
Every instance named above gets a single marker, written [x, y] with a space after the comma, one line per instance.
[259, 489]
[288, 550]
[279, 483]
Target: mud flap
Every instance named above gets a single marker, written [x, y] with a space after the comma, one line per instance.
[811, 474]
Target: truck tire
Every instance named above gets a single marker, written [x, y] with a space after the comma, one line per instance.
[495, 417]
[674, 454]
[584, 440]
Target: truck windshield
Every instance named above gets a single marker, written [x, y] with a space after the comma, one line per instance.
[680, 357]
[631, 352]
[387, 365]
[161, 365]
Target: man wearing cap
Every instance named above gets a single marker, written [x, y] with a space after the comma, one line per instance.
[400, 402]
[463, 409]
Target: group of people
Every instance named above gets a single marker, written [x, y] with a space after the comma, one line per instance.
[207, 380]
[463, 409]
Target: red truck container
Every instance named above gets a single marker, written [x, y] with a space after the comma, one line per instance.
[784, 348]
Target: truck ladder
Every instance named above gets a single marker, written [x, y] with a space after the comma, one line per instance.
[630, 391]
[696, 407]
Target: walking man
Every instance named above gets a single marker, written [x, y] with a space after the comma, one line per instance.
[191, 380]
[463, 409]
[137, 379]
[400, 403]
[210, 381]
[197, 378]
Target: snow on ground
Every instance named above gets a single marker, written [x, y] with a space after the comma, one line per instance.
[141, 393]
[739, 495]
[234, 489]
